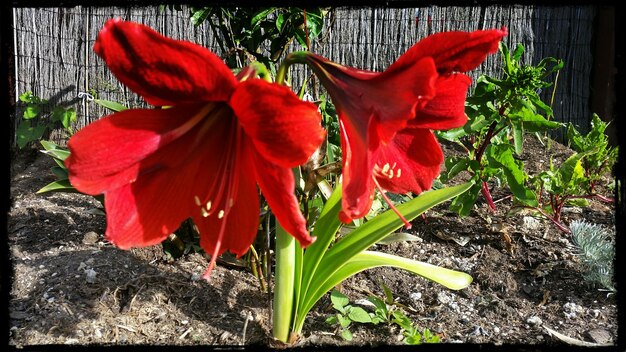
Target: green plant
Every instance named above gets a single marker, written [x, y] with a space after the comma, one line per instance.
[346, 315]
[304, 276]
[385, 311]
[500, 113]
[575, 181]
[597, 253]
[35, 120]
[262, 34]
[598, 163]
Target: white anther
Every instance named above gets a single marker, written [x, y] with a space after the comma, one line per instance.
[204, 212]
[220, 214]
[208, 205]
[197, 200]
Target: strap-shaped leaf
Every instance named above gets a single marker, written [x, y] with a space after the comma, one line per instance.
[364, 236]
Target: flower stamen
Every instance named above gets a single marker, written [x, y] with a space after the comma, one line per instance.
[391, 206]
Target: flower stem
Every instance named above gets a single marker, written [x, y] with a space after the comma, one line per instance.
[485, 190]
[283, 284]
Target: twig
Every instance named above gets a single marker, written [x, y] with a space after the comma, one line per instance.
[573, 341]
[181, 337]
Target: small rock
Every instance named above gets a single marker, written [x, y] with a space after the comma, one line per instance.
[600, 336]
[90, 238]
[530, 223]
[443, 298]
[534, 321]
[415, 296]
[496, 330]
[90, 276]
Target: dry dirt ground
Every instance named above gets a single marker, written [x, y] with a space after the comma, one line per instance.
[69, 286]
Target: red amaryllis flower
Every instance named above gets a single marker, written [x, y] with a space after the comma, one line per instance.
[386, 118]
[201, 156]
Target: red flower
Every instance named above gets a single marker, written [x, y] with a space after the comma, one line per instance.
[386, 118]
[202, 156]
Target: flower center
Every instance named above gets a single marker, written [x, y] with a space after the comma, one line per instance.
[225, 135]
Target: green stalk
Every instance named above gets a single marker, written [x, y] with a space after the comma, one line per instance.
[284, 284]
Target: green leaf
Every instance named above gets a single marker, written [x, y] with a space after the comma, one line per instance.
[379, 303]
[55, 151]
[343, 320]
[518, 138]
[464, 203]
[31, 111]
[60, 172]
[58, 186]
[26, 133]
[332, 320]
[502, 156]
[261, 15]
[339, 300]
[388, 294]
[398, 237]
[346, 335]
[402, 320]
[111, 105]
[359, 315]
[65, 116]
[571, 167]
[323, 267]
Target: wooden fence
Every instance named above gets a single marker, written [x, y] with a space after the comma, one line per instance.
[54, 55]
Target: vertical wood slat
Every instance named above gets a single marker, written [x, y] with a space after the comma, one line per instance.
[55, 58]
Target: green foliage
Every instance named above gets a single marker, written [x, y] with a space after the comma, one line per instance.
[598, 163]
[500, 113]
[35, 121]
[346, 315]
[385, 311]
[260, 34]
[597, 253]
[574, 182]
[322, 266]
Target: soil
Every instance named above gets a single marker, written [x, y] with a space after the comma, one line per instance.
[70, 286]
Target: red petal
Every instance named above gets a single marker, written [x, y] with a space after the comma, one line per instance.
[391, 97]
[278, 186]
[284, 129]
[151, 207]
[453, 51]
[447, 109]
[359, 153]
[163, 71]
[114, 150]
[238, 224]
[410, 162]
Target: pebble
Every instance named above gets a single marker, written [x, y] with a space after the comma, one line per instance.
[90, 238]
[90, 276]
[415, 296]
[443, 298]
[534, 321]
[530, 223]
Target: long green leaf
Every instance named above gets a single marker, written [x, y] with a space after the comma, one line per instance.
[111, 105]
[451, 279]
[325, 229]
[364, 236]
[58, 186]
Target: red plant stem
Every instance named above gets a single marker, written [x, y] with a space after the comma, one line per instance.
[485, 191]
[483, 145]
